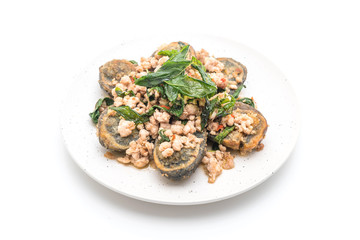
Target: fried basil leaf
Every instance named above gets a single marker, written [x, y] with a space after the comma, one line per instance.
[247, 101]
[238, 90]
[184, 122]
[163, 137]
[122, 93]
[96, 113]
[177, 108]
[195, 63]
[130, 115]
[181, 56]
[209, 108]
[215, 146]
[160, 89]
[170, 69]
[220, 137]
[226, 106]
[192, 87]
[171, 92]
[168, 53]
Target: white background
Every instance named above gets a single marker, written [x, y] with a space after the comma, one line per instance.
[44, 195]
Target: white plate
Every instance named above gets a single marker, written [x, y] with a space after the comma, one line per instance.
[265, 82]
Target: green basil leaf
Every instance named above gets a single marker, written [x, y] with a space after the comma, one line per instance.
[168, 70]
[184, 122]
[215, 146]
[130, 115]
[238, 90]
[195, 63]
[96, 113]
[133, 62]
[168, 53]
[122, 93]
[177, 108]
[160, 89]
[209, 108]
[171, 92]
[226, 106]
[108, 101]
[192, 87]
[247, 101]
[163, 137]
[181, 56]
[220, 137]
[148, 114]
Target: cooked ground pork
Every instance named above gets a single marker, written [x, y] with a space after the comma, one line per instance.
[162, 116]
[216, 161]
[220, 79]
[153, 127]
[202, 55]
[190, 111]
[243, 122]
[213, 65]
[125, 127]
[139, 151]
[181, 136]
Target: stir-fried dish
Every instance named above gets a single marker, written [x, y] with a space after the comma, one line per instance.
[169, 107]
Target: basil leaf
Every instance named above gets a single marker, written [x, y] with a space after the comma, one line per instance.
[122, 93]
[238, 90]
[215, 146]
[192, 87]
[133, 62]
[168, 70]
[160, 89]
[184, 122]
[195, 63]
[177, 108]
[247, 101]
[226, 109]
[181, 56]
[168, 53]
[171, 92]
[130, 115]
[209, 108]
[96, 113]
[108, 101]
[220, 137]
[163, 138]
[148, 114]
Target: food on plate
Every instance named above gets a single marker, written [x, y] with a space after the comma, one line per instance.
[170, 108]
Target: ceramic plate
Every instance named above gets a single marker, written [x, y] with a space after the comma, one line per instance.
[265, 82]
